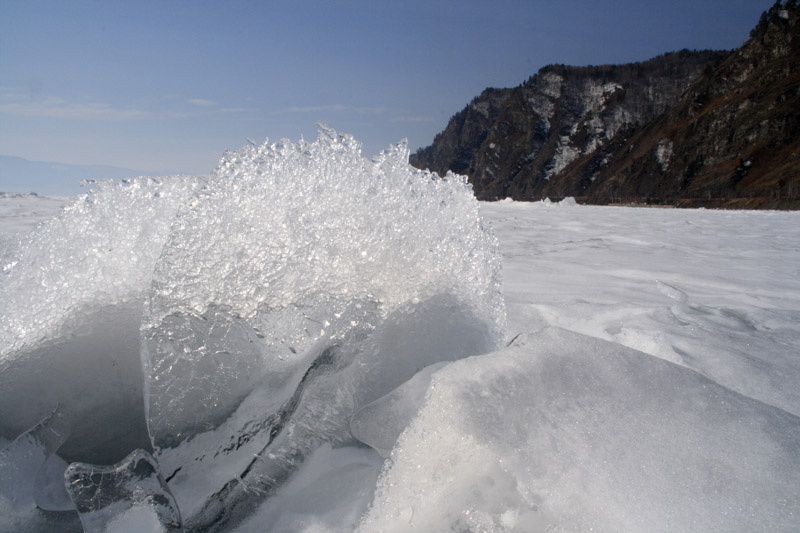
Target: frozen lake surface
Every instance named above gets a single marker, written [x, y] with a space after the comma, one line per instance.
[637, 370]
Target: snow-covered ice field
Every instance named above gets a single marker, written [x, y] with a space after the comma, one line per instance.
[636, 370]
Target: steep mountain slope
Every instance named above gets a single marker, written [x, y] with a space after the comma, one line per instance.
[464, 135]
[733, 139]
[512, 142]
[697, 128]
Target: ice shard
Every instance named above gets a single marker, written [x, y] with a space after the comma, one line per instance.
[379, 423]
[23, 463]
[104, 494]
[70, 311]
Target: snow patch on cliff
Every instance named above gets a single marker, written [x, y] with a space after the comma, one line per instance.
[565, 154]
[664, 153]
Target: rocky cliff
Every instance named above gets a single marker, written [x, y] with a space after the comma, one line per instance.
[733, 138]
[692, 127]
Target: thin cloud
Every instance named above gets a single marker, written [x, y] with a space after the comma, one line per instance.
[17, 104]
[201, 102]
[412, 119]
[234, 110]
[53, 107]
[207, 112]
[336, 108]
[316, 109]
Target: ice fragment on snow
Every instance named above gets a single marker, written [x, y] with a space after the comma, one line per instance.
[23, 462]
[379, 423]
[103, 494]
[137, 519]
[329, 494]
[50, 494]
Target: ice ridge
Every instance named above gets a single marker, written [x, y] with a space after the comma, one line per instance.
[251, 312]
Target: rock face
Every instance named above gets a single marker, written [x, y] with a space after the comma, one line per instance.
[733, 139]
[518, 142]
[699, 128]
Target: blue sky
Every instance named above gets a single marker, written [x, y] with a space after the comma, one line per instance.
[166, 86]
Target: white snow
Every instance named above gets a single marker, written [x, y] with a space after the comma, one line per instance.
[595, 98]
[565, 154]
[664, 153]
[21, 212]
[650, 382]
[550, 85]
[568, 432]
[596, 95]
[481, 107]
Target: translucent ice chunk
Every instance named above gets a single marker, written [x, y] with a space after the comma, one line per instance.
[50, 494]
[329, 493]
[103, 495]
[379, 423]
[21, 463]
[100, 250]
[264, 305]
[21, 460]
[209, 464]
[92, 371]
[343, 377]
[70, 311]
[283, 238]
[302, 282]
[139, 518]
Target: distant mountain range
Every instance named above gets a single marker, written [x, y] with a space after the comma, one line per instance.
[715, 129]
[18, 175]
